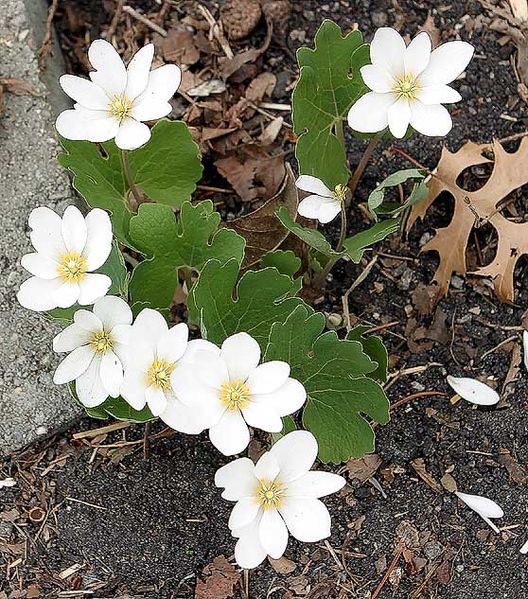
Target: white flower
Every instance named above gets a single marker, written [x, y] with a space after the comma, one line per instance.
[68, 250]
[409, 84]
[323, 204]
[117, 99]
[97, 341]
[484, 507]
[277, 495]
[473, 391]
[156, 354]
[232, 390]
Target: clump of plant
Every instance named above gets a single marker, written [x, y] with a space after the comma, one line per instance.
[250, 353]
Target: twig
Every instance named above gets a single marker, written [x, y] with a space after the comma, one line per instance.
[99, 507]
[95, 432]
[413, 396]
[115, 20]
[498, 346]
[388, 572]
[344, 300]
[409, 158]
[45, 49]
[216, 31]
[137, 15]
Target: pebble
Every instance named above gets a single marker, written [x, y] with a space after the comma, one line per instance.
[42, 430]
[457, 282]
[379, 18]
[426, 237]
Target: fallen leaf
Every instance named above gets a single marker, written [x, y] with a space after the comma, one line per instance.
[219, 580]
[472, 208]
[17, 87]
[419, 466]
[449, 483]
[362, 469]
[515, 470]
[283, 565]
[179, 47]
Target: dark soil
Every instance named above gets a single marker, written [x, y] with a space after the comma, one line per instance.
[148, 528]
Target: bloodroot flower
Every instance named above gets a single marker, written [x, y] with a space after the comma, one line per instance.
[323, 204]
[277, 495]
[232, 390]
[97, 341]
[409, 84]
[69, 249]
[117, 99]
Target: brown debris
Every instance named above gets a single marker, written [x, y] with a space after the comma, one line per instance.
[219, 580]
[362, 469]
[240, 17]
[517, 472]
[419, 466]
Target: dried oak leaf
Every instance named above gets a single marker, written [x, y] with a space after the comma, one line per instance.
[219, 580]
[474, 208]
[362, 469]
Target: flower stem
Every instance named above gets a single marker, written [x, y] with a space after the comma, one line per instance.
[360, 168]
[321, 277]
[130, 180]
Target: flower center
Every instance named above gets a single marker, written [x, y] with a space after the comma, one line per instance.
[406, 87]
[158, 375]
[235, 395]
[270, 494]
[340, 192]
[72, 267]
[102, 342]
[120, 107]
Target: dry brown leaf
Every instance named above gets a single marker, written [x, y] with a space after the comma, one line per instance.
[179, 47]
[17, 87]
[516, 471]
[448, 482]
[283, 565]
[363, 468]
[477, 207]
[419, 466]
[219, 580]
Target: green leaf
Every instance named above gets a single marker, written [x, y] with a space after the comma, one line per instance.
[285, 261]
[377, 196]
[166, 169]
[335, 374]
[355, 246]
[115, 268]
[374, 348]
[312, 237]
[170, 243]
[328, 85]
[288, 425]
[222, 307]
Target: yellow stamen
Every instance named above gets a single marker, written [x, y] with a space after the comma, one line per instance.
[102, 342]
[270, 494]
[235, 395]
[340, 192]
[406, 87]
[158, 375]
[120, 107]
[72, 267]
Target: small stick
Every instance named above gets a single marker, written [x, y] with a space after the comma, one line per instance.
[364, 274]
[48, 37]
[409, 398]
[388, 572]
[137, 15]
[409, 158]
[115, 20]
[95, 432]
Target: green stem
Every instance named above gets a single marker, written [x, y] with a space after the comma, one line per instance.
[360, 168]
[320, 278]
[130, 180]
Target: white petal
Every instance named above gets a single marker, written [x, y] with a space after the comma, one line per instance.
[46, 235]
[210, 369]
[111, 373]
[231, 434]
[149, 327]
[112, 311]
[268, 377]
[110, 71]
[162, 85]
[156, 400]
[267, 468]
[73, 229]
[438, 94]
[287, 399]
[92, 287]
[249, 552]
[273, 533]
[87, 320]
[89, 386]
[87, 93]
[309, 206]
[447, 62]
[296, 453]
[417, 54]
[482, 505]
[328, 211]
[40, 265]
[430, 120]
[315, 484]
[70, 338]
[132, 134]
[307, 518]
[241, 354]
[313, 185]
[138, 71]
[38, 294]
[172, 345]
[98, 238]
[133, 388]
[80, 125]
[195, 346]
[399, 116]
[525, 348]
[370, 113]
[191, 390]
[377, 79]
[244, 512]
[263, 416]
[151, 110]
[237, 478]
[67, 294]
[524, 548]
[387, 50]
[73, 365]
[473, 391]
[183, 418]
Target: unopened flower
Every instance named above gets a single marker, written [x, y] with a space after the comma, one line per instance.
[234, 391]
[68, 250]
[473, 391]
[97, 342]
[484, 507]
[323, 204]
[116, 100]
[409, 84]
[277, 495]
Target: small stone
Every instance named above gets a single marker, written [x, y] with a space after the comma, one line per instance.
[379, 18]
[457, 282]
[298, 35]
[42, 430]
[425, 238]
